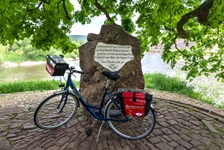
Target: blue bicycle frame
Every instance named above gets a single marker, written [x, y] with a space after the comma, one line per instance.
[97, 114]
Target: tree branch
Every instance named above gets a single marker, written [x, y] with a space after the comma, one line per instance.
[45, 1]
[65, 9]
[104, 11]
[170, 29]
[34, 8]
[201, 12]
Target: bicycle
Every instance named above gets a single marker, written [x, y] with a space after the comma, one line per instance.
[61, 106]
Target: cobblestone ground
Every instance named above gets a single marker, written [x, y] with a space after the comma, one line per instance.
[179, 127]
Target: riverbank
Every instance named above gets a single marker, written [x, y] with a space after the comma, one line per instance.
[151, 63]
[26, 63]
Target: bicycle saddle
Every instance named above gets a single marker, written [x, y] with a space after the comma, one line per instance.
[112, 75]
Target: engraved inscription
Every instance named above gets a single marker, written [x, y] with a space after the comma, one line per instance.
[112, 56]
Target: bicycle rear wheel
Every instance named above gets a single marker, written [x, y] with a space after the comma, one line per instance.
[56, 110]
[133, 128]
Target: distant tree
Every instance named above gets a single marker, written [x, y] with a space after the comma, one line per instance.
[158, 21]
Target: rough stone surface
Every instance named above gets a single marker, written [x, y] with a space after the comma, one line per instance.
[92, 82]
[72, 136]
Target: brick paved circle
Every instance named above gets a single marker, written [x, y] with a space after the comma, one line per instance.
[179, 127]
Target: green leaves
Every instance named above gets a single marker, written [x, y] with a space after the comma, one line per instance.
[156, 23]
[128, 24]
[45, 22]
[216, 14]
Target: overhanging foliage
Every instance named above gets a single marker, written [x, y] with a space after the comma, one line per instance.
[158, 21]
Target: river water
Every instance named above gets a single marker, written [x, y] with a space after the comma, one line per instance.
[150, 63]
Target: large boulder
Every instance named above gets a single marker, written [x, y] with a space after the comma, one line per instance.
[92, 83]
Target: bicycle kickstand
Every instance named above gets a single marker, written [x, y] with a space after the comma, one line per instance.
[99, 131]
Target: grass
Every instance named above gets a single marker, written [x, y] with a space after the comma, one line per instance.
[30, 86]
[163, 82]
[155, 81]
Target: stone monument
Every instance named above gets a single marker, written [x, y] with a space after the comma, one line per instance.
[112, 49]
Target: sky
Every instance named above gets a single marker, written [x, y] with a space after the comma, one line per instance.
[93, 27]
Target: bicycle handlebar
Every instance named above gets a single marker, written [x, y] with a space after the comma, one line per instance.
[73, 70]
[77, 71]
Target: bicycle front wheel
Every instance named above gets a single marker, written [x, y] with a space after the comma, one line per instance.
[55, 110]
[133, 128]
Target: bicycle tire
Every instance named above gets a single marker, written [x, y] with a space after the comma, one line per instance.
[48, 116]
[133, 129]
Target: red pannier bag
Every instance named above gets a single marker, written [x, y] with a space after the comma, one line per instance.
[135, 103]
[56, 66]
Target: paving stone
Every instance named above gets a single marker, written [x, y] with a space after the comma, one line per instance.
[185, 144]
[175, 137]
[185, 131]
[161, 120]
[218, 140]
[142, 146]
[5, 145]
[17, 138]
[214, 147]
[206, 141]
[195, 122]
[126, 147]
[26, 127]
[175, 130]
[195, 143]
[196, 136]
[164, 146]
[157, 132]
[111, 147]
[210, 127]
[15, 125]
[11, 135]
[99, 146]
[154, 140]
[164, 124]
[166, 131]
[14, 131]
[151, 146]
[62, 141]
[172, 122]
[173, 144]
[185, 137]
[54, 148]
[180, 148]
[202, 147]
[195, 127]
[167, 138]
